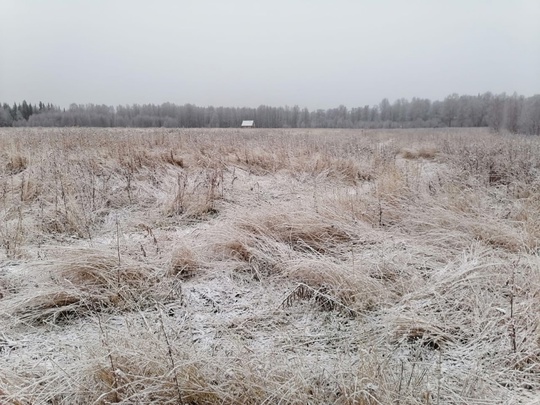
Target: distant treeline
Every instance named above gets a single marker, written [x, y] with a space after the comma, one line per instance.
[514, 113]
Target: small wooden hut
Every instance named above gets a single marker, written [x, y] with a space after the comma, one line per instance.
[248, 124]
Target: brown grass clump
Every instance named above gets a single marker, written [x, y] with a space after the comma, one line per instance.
[195, 194]
[237, 250]
[92, 269]
[17, 164]
[340, 168]
[259, 256]
[352, 287]
[56, 306]
[258, 161]
[300, 231]
[81, 281]
[421, 153]
[173, 160]
[184, 263]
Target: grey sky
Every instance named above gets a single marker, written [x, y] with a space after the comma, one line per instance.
[313, 53]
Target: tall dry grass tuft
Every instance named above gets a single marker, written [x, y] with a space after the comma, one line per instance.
[352, 287]
[299, 230]
[79, 282]
[423, 153]
[184, 263]
[16, 164]
[194, 195]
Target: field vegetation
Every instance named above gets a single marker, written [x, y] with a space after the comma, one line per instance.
[204, 266]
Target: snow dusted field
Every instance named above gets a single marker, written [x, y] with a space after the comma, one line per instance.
[269, 266]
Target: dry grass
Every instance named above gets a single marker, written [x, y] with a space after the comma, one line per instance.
[269, 266]
[423, 153]
[77, 282]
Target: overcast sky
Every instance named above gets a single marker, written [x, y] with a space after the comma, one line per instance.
[314, 53]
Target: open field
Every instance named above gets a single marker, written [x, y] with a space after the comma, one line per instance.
[269, 266]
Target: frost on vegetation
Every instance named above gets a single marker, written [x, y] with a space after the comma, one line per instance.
[269, 266]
